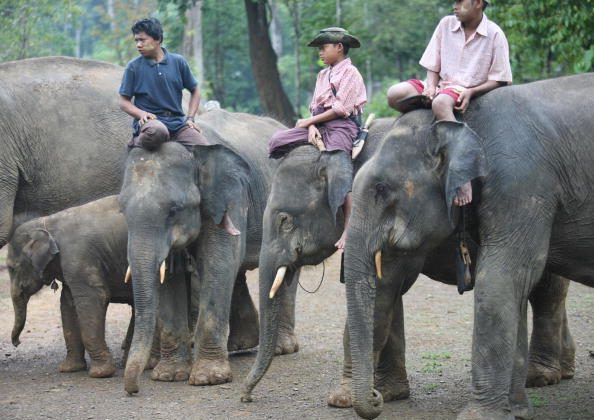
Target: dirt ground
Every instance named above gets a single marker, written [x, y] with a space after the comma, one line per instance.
[438, 329]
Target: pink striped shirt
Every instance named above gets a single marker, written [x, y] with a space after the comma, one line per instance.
[468, 63]
[348, 83]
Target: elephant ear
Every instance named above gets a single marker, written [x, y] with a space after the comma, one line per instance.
[464, 156]
[223, 176]
[41, 250]
[337, 168]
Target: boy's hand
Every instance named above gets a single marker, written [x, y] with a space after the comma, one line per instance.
[313, 135]
[303, 123]
[429, 92]
[145, 117]
[463, 100]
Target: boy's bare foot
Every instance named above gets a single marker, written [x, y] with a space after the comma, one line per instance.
[463, 195]
[228, 225]
[342, 241]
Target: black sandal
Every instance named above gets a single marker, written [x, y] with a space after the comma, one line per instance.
[414, 102]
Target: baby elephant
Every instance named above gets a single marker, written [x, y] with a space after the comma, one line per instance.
[85, 248]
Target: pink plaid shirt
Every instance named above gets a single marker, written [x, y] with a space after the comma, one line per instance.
[468, 63]
[350, 89]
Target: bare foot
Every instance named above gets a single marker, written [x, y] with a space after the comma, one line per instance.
[228, 225]
[463, 195]
[342, 241]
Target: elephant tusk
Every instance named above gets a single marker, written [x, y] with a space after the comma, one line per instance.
[378, 264]
[278, 281]
[128, 275]
[162, 272]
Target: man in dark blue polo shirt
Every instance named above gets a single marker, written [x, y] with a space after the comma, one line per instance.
[156, 80]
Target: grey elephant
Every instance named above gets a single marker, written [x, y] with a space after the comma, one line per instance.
[172, 197]
[85, 248]
[302, 221]
[533, 148]
[62, 136]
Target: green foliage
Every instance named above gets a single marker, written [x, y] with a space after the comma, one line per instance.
[433, 362]
[547, 38]
[36, 28]
[536, 399]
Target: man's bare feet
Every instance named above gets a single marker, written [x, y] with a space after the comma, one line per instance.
[342, 241]
[228, 225]
[463, 195]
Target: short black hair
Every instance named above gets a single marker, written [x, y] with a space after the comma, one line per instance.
[150, 26]
[345, 49]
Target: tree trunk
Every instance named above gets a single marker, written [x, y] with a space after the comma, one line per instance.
[295, 12]
[338, 12]
[273, 98]
[276, 32]
[193, 40]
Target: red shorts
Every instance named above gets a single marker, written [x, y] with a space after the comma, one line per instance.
[420, 87]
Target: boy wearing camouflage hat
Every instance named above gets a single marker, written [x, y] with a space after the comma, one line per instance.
[336, 105]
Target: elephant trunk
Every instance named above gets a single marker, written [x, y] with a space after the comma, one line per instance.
[19, 302]
[360, 282]
[145, 283]
[269, 325]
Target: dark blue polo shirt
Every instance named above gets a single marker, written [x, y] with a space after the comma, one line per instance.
[157, 88]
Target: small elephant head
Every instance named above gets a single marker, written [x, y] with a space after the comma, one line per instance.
[165, 194]
[301, 223]
[30, 258]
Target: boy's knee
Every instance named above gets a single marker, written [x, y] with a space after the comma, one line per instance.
[396, 93]
[442, 106]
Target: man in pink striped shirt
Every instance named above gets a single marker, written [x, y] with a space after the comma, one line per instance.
[467, 56]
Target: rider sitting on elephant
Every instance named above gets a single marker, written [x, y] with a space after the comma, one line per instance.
[336, 106]
[156, 80]
[467, 56]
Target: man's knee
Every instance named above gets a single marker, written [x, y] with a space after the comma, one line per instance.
[152, 134]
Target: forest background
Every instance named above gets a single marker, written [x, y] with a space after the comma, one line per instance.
[251, 55]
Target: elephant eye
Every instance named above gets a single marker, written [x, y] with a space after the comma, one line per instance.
[381, 188]
[173, 210]
[285, 222]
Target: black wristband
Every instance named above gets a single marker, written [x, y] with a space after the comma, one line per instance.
[188, 118]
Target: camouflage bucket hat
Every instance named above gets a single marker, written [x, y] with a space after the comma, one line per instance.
[334, 36]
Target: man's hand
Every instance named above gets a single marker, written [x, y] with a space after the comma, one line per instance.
[145, 117]
[193, 125]
[303, 123]
[463, 100]
[429, 92]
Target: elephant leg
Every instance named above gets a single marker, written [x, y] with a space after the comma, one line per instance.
[243, 324]
[552, 350]
[219, 257]
[390, 376]
[91, 306]
[341, 396]
[505, 277]
[174, 364]
[9, 180]
[75, 349]
[568, 350]
[286, 342]
[389, 345]
[518, 399]
[155, 354]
